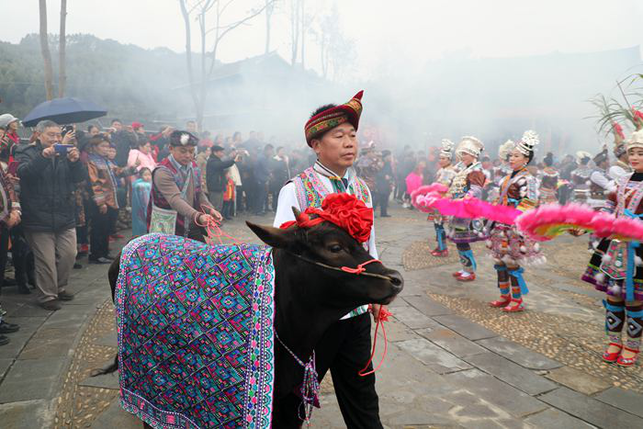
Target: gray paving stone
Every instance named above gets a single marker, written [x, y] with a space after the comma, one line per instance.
[591, 410]
[518, 354]
[115, 417]
[412, 318]
[465, 327]
[452, 342]
[627, 400]
[67, 318]
[28, 414]
[427, 306]
[54, 342]
[553, 418]
[578, 380]
[28, 310]
[31, 379]
[433, 356]
[105, 381]
[4, 366]
[515, 375]
[108, 340]
[512, 401]
[17, 343]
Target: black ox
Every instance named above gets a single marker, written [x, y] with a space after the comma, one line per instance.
[309, 297]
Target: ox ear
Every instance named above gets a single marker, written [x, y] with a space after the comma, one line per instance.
[275, 237]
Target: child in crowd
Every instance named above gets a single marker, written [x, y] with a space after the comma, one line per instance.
[228, 197]
[140, 199]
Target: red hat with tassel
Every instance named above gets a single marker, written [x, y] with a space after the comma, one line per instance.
[328, 119]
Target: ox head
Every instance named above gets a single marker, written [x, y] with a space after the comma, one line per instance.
[328, 244]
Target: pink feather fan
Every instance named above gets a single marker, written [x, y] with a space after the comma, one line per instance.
[551, 220]
[430, 198]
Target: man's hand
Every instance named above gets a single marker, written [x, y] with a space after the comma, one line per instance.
[13, 179]
[49, 152]
[13, 219]
[73, 155]
[69, 137]
[103, 209]
[215, 214]
[205, 219]
[376, 309]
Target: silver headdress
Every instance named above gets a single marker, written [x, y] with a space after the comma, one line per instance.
[505, 149]
[635, 140]
[528, 143]
[447, 148]
[470, 145]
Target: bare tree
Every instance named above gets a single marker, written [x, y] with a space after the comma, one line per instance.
[44, 49]
[337, 53]
[304, 27]
[270, 9]
[62, 74]
[295, 23]
[210, 41]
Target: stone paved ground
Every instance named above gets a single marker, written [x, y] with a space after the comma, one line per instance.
[452, 363]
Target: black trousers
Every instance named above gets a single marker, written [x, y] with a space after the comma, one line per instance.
[344, 349]
[101, 228]
[22, 257]
[382, 202]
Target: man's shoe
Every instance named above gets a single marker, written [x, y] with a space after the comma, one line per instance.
[78, 266]
[52, 305]
[7, 328]
[3, 340]
[9, 282]
[99, 260]
[65, 296]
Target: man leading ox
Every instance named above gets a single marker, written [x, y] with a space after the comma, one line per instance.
[345, 348]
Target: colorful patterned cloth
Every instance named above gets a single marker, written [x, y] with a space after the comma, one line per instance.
[195, 333]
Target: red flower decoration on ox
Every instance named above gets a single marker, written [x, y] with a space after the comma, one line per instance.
[345, 211]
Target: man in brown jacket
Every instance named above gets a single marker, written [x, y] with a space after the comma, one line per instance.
[178, 204]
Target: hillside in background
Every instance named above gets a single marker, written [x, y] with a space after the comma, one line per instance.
[131, 82]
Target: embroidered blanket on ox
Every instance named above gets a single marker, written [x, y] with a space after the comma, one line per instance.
[195, 333]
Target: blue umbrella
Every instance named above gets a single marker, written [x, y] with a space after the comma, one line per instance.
[63, 111]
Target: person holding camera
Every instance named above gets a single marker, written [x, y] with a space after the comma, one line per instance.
[48, 172]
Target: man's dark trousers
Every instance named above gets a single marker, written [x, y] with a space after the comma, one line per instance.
[344, 349]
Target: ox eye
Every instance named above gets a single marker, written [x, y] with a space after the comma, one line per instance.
[335, 248]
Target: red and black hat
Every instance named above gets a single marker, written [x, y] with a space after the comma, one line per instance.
[329, 119]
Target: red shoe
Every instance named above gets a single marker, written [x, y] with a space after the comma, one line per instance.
[471, 277]
[628, 361]
[502, 302]
[118, 236]
[514, 308]
[440, 253]
[457, 274]
[613, 356]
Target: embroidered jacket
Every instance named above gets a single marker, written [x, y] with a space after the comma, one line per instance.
[520, 191]
[309, 188]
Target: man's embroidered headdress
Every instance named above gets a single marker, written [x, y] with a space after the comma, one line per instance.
[329, 119]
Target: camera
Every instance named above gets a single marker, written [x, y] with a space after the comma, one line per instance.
[62, 149]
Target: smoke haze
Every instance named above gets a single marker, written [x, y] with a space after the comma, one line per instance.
[431, 69]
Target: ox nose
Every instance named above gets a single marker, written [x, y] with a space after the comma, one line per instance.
[396, 280]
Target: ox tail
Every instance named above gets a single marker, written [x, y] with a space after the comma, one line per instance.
[107, 370]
